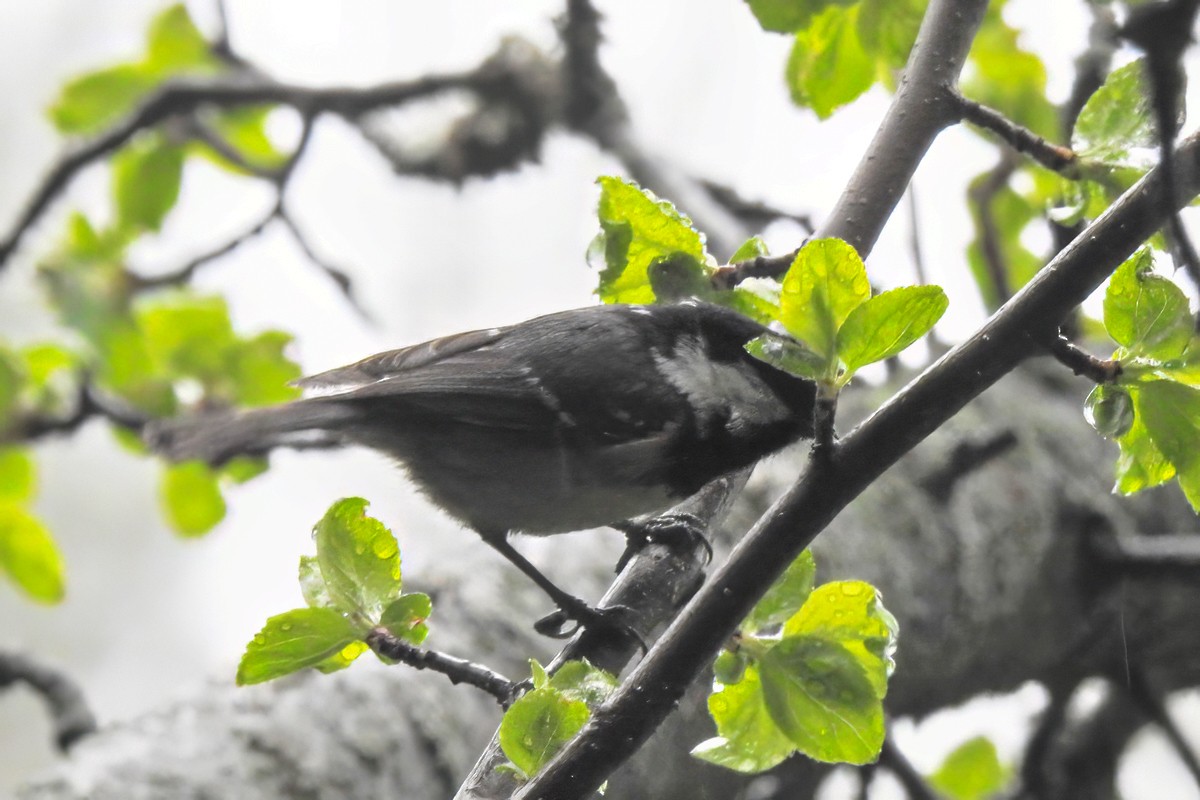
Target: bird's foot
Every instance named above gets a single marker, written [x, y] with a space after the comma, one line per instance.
[574, 614]
[668, 529]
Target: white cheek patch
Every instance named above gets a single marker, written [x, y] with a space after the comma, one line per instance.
[717, 388]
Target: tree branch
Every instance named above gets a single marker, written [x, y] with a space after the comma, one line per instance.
[1052, 156]
[73, 719]
[1081, 362]
[184, 96]
[458, 670]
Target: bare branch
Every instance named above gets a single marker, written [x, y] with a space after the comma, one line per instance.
[898, 764]
[73, 719]
[185, 96]
[90, 404]
[458, 670]
[1051, 156]
[1081, 362]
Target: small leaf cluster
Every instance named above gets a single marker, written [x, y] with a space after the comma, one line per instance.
[541, 721]
[1152, 409]
[38, 381]
[151, 353]
[841, 48]
[807, 672]
[1116, 140]
[174, 49]
[838, 326]
[649, 251]
[157, 353]
[1113, 140]
[28, 554]
[351, 586]
[972, 771]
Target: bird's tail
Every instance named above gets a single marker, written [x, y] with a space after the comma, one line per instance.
[218, 437]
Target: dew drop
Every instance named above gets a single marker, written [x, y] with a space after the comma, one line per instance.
[384, 546]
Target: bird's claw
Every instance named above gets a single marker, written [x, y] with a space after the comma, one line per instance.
[611, 619]
[666, 529]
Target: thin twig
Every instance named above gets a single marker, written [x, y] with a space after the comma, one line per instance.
[458, 670]
[73, 719]
[754, 213]
[183, 274]
[730, 276]
[1051, 156]
[1152, 704]
[1081, 362]
[981, 195]
[185, 96]
[966, 457]
[90, 404]
[336, 274]
[898, 764]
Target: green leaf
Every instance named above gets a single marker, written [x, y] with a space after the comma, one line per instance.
[29, 556]
[748, 739]
[18, 479]
[11, 380]
[241, 469]
[888, 323]
[850, 613]
[187, 336]
[260, 371]
[191, 498]
[359, 559]
[538, 673]
[1007, 78]
[787, 354]
[1146, 314]
[92, 101]
[823, 699]
[787, 16]
[1171, 413]
[730, 667]
[147, 175]
[1109, 409]
[312, 584]
[971, 772]
[582, 680]
[828, 66]
[342, 658]
[244, 131]
[302, 637]
[888, 29]
[638, 230]
[1141, 464]
[752, 248]
[173, 44]
[537, 725]
[406, 615]
[785, 597]
[826, 281]
[1117, 119]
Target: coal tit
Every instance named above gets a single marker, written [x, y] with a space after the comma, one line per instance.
[571, 420]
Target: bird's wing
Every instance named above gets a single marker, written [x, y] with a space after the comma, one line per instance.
[463, 377]
[397, 363]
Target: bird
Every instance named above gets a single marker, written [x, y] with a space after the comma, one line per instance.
[577, 419]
